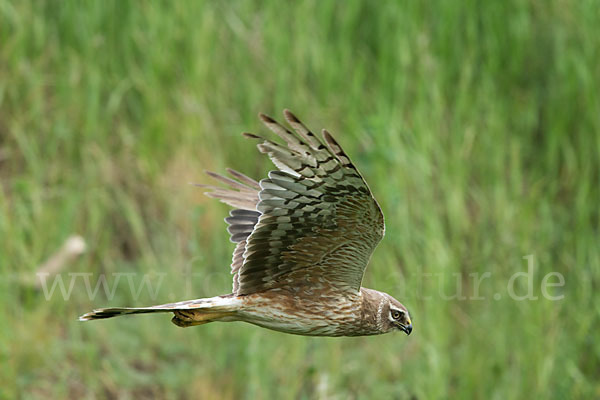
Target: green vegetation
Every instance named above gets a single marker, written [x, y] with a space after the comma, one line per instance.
[476, 124]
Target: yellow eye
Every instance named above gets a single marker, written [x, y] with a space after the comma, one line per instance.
[396, 314]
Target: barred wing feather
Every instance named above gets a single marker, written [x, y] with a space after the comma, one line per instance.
[314, 223]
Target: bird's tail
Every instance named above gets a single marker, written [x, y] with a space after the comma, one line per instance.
[213, 307]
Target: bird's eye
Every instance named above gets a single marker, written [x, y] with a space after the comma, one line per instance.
[396, 314]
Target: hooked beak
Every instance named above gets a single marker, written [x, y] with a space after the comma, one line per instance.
[406, 329]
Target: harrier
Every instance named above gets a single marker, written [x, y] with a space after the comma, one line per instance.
[304, 238]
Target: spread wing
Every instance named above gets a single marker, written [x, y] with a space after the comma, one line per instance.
[313, 224]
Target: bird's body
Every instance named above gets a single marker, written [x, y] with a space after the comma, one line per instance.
[302, 315]
[304, 238]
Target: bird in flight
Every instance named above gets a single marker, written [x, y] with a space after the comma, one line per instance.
[304, 238]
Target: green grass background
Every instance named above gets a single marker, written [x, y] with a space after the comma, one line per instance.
[476, 123]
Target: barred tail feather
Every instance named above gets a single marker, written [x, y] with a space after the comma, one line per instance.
[103, 313]
[217, 304]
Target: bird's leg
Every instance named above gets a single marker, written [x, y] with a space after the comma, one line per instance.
[184, 323]
[185, 318]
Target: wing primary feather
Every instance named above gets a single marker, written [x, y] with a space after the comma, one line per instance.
[290, 138]
[228, 181]
[336, 149]
[243, 178]
[302, 130]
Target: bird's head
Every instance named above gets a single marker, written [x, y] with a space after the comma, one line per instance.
[393, 315]
[382, 313]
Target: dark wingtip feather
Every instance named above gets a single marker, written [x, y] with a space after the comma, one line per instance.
[327, 135]
[266, 118]
[290, 116]
[250, 135]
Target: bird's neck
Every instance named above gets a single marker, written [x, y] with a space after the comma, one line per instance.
[372, 302]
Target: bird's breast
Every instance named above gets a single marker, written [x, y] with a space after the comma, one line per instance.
[330, 314]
